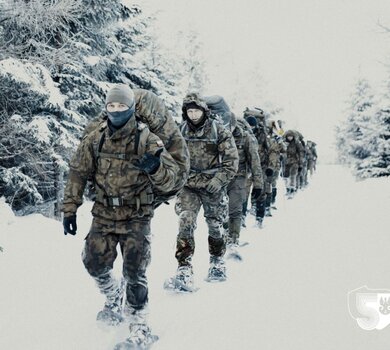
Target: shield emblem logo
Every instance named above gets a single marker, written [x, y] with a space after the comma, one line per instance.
[370, 307]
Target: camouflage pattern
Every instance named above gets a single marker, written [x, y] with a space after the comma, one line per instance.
[213, 155]
[125, 196]
[294, 158]
[249, 163]
[311, 156]
[151, 110]
[187, 207]
[100, 252]
[116, 177]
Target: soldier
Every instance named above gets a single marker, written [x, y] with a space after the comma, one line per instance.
[293, 161]
[128, 164]
[249, 163]
[312, 157]
[277, 150]
[214, 162]
[258, 129]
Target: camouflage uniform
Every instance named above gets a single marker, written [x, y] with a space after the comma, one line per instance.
[249, 163]
[277, 151]
[213, 156]
[311, 156]
[263, 150]
[125, 194]
[293, 161]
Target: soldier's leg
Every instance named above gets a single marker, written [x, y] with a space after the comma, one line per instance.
[293, 178]
[187, 208]
[268, 195]
[260, 210]
[135, 248]
[98, 257]
[214, 207]
[274, 189]
[236, 193]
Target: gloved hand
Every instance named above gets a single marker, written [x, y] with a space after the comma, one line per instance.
[300, 169]
[256, 194]
[214, 185]
[149, 163]
[269, 172]
[70, 225]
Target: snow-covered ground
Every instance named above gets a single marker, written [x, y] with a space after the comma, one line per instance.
[290, 292]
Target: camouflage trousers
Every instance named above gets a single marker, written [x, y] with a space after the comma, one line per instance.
[236, 192]
[290, 173]
[187, 207]
[259, 204]
[100, 252]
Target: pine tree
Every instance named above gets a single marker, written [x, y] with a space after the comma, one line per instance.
[354, 138]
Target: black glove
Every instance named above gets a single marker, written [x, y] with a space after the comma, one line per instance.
[69, 222]
[269, 172]
[149, 163]
[256, 194]
[300, 169]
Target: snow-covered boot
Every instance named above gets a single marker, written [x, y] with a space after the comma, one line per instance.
[259, 222]
[185, 275]
[113, 290]
[183, 281]
[217, 270]
[140, 336]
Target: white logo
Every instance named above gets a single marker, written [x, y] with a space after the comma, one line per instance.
[370, 307]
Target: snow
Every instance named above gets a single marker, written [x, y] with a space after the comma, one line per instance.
[290, 292]
[92, 60]
[36, 76]
[41, 131]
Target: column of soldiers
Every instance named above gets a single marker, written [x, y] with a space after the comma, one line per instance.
[137, 158]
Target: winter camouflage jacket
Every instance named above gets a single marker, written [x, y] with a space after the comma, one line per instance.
[123, 190]
[213, 153]
[151, 110]
[249, 161]
[115, 177]
[295, 150]
[263, 143]
[277, 150]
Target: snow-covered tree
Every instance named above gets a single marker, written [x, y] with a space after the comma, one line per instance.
[354, 136]
[57, 58]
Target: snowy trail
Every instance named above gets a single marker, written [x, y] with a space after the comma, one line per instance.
[290, 292]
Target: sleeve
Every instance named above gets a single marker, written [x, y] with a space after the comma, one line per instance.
[165, 178]
[81, 167]
[228, 156]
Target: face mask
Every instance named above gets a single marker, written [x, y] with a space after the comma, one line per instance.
[118, 119]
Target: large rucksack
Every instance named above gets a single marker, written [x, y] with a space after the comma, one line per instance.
[219, 109]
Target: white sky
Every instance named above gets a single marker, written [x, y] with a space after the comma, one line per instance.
[308, 51]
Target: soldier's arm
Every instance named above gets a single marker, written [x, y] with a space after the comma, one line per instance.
[252, 148]
[80, 168]
[164, 179]
[153, 112]
[228, 155]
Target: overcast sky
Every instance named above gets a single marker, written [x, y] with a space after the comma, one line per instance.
[309, 52]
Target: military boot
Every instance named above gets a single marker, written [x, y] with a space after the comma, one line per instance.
[113, 290]
[185, 276]
[268, 205]
[217, 270]
[140, 335]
